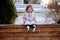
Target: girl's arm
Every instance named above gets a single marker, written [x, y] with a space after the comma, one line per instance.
[24, 18]
[34, 18]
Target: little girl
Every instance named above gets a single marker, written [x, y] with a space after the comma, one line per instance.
[29, 18]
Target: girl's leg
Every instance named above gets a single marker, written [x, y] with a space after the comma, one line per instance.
[34, 28]
[27, 28]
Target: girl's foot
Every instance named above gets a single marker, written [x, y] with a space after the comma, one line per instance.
[27, 28]
[34, 28]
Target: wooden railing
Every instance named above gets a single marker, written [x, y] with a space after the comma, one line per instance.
[18, 32]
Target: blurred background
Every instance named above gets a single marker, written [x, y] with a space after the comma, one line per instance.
[47, 11]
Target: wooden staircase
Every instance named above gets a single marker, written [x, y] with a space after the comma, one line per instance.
[18, 32]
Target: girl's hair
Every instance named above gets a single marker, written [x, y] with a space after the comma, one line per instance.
[29, 6]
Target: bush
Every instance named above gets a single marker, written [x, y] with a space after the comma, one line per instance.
[26, 1]
[8, 12]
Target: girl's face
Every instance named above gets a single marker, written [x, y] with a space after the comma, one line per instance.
[29, 9]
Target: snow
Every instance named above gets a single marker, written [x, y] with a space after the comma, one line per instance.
[41, 15]
[40, 19]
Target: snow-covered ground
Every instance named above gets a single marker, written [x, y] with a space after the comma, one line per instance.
[40, 19]
[41, 14]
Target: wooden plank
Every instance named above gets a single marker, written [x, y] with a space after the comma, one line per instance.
[24, 30]
[31, 34]
[18, 32]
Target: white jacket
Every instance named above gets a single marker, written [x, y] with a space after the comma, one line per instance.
[29, 20]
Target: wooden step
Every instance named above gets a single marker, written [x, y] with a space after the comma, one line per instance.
[18, 32]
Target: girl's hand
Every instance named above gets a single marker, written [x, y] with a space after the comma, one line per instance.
[34, 19]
